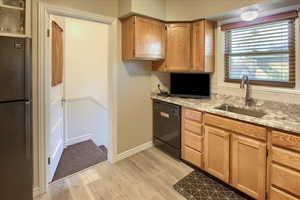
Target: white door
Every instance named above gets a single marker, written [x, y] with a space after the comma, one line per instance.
[56, 113]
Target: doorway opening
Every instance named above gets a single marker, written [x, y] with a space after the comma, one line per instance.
[78, 95]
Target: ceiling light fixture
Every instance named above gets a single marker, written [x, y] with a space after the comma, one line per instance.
[249, 15]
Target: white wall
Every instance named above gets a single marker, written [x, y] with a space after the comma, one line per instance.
[152, 8]
[86, 119]
[134, 105]
[104, 7]
[125, 7]
[86, 81]
[196, 9]
[181, 10]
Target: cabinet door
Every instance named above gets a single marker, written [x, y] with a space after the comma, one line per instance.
[178, 47]
[198, 43]
[249, 166]
[203, 46]
[217, 153]
[150, 36]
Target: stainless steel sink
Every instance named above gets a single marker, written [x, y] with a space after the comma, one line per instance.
[242, 111]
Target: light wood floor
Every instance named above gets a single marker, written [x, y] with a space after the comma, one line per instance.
[148, 175]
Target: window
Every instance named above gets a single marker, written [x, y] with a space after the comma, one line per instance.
[265, 52]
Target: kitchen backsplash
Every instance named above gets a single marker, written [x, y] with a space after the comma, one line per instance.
[163, 79]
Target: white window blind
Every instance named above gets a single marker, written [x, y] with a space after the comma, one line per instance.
[264, 52]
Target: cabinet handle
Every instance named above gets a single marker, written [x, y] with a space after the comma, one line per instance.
[166, 115]
[28, 130]
[28, 69]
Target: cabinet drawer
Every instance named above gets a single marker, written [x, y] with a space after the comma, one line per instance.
[286, 179]
[276, 194]
[285, 157]
[193, 115]
[285, 140]
[192, 126]
[192, 156]
[243, 128]
[194, 141]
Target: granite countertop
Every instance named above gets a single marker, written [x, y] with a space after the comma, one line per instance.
[281, 116]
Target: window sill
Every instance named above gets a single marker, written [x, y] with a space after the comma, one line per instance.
[265, 83]
[293, 91]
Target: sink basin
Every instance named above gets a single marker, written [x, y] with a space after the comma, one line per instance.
[242, 111]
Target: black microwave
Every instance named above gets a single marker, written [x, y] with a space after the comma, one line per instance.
[190, 85]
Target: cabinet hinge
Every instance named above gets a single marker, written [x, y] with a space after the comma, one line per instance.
[49, 161]
[133, 51]
[48, 32]
[267, 152]
[166, 27]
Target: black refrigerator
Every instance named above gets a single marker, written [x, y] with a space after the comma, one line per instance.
[16, 169]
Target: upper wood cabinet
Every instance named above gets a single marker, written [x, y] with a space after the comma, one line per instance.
[248, 166]
[174, 47]
[190, 48]
[203, 50]
[178, 47]
[143, 39]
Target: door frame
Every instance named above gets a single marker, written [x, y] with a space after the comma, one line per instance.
[43, 81]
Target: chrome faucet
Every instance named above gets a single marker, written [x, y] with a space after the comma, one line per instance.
[245, 81]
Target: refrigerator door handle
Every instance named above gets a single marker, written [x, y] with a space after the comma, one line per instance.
[28, 69]
[28, 130]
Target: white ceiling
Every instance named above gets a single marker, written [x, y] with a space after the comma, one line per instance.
[265, 9]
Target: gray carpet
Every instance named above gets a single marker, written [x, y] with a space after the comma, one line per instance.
[78, 157]
[199, 186]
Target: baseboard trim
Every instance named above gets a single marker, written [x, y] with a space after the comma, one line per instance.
[132, 152]
[36, 192]
[79, 139]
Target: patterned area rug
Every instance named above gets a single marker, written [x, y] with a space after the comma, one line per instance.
[199, 186]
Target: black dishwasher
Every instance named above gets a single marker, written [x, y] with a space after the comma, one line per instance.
[167, 127]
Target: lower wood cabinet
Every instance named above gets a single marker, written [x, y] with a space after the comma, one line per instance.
[276, 194]
[193, 127]
[285, 157]
[192, 156]
[217, 152]
[284, 167]
[193, 141]
[248, 166]
[285, 178]
[262, 163]
[192, 137]
[285, 140]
